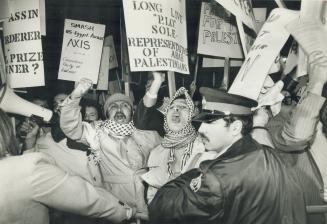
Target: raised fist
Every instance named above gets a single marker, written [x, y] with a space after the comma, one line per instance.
[159, 76]
[81, 88]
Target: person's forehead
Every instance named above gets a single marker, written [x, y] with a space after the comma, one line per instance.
[119, 102]
[90, 109]
[179, 101]
[60, 96]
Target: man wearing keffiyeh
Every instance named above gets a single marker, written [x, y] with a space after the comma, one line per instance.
[119, 151]
[181, 147]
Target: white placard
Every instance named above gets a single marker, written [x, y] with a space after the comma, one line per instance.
[219, 63]
[242, 9]
[103, 78]
[156, 35]
[310, 35]
[263, 52]
[22, 43]
[109, 42]
[218, 35]
[42, 17]
[81, 50]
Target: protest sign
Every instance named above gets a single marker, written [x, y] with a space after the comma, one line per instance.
[109, 42]
[242, 9]
[218, 35]
[310, 35]
[81, 50]
[4, 9]
[103, 78]
[22, 44]
[219, 63]
[42, 17]
[262, 54]
[156, 35]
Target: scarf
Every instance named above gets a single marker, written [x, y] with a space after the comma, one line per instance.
[184, 138]
[113, 128]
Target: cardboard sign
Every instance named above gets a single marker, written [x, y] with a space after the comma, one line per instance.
[22, 43]
[104, 69]
[81, 50]
[109, 42]
[242, 9]
[310, 35]
[156, 35]
[263, 52]
[42, 17]
[219, 63]
[218, 35]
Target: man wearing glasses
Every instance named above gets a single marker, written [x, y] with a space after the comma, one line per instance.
[248, 183]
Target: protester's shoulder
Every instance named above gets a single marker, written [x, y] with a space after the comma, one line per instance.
[158, 155]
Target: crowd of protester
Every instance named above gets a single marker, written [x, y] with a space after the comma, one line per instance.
[169, 160]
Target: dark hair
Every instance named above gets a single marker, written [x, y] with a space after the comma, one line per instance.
[247, 122]
[8, 142]
[323, 118]
[90, 103]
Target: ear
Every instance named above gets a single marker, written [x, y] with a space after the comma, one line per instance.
[236, 127]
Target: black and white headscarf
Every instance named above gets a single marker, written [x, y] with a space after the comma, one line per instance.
[183, 138]
[113, 128]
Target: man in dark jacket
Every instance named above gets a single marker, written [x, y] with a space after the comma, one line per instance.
[247, 183]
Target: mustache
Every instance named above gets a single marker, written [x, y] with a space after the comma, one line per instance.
[203, 136]
[119, 114]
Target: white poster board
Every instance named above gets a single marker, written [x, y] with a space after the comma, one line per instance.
[103, 78]
[109, 42]
[2, 65]
[310, 35]
[81, 50]
[156, 35]
[218, 34]
[220, 63]
[263, 52]
[42, 17]
[292, 58]
[22, 44]
[242, 9]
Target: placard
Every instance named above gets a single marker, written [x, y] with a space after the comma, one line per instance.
[22, 44]
[156, 35]
[310, 35]
[242, 9]
[103, 78]
[109, 42]
[263, 52]
[218, 34]
[81, 50]
[292, 58]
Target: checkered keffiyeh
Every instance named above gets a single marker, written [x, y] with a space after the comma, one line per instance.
[112, 127]
[183, 138]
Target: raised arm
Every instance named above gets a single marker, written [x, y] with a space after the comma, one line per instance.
[70, 117]
[146, 116]
[299, 129]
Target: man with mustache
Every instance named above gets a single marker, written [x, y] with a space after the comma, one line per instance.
[247, 183]
[119, 151]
